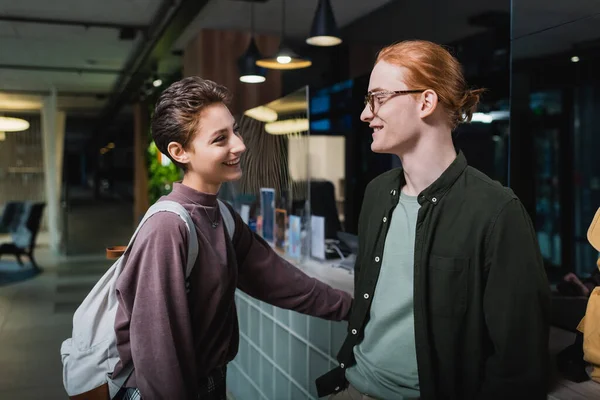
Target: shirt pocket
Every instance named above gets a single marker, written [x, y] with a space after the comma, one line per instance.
[448, 285]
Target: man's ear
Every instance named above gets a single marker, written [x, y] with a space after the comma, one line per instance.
[178, 153]
[428, 102]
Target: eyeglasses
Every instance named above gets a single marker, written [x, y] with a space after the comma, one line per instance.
[370, 97]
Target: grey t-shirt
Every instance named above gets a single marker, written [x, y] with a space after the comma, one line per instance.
[386, 359]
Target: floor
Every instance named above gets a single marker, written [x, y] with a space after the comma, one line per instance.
[35, 317]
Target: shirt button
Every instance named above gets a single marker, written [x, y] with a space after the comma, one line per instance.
[384, 219]
[434, 200]
[354, 331]
[376, 259]
[337, 388]
[366, 295]
[342, 366]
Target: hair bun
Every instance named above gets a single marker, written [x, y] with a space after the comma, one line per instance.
[469, 102]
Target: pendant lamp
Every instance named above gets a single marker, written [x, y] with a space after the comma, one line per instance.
[249, 71]
[324, 31]
[285, 58]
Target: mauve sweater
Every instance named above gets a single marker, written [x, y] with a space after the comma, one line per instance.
[176, 339]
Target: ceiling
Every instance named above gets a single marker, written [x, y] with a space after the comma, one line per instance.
[84, 63]
[441, 21]
[86, 60]
[542, 27]
[235, 14]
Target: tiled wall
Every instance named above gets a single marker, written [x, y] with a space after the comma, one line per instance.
[281, 352]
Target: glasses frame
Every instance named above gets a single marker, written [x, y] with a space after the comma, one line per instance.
[370, 96]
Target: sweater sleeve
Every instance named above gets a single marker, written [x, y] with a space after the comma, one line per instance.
[264, 275]
[153, 321]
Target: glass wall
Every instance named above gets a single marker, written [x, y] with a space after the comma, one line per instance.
[273, 189]
[555, 96]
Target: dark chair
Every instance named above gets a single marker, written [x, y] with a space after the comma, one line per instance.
[24, 233]
[11, 216]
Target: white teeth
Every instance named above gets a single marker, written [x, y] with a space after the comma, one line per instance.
[231, 163]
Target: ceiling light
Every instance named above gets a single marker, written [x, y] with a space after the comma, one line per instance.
[262, 113]
[8, 124]
[574, 59]
[249, 71]
[285, 58]
[324, 31]
[252, 78]
[489, 117]
[287, 126]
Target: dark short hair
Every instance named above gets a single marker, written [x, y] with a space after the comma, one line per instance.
[176, 116]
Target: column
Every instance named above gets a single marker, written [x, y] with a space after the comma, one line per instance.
[140, 169]
[53, 136]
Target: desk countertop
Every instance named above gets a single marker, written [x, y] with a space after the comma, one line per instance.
[326, 272]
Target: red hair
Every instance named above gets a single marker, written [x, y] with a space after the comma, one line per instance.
[431, 66]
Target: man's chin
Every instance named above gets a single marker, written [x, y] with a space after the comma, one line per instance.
[378, 148]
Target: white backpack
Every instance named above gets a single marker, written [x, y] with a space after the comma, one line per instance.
[90, 356]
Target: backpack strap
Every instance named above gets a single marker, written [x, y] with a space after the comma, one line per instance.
[228, 220]
[176, 208]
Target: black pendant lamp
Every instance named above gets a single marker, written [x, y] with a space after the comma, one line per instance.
[285, 58]
[249, 71]
[324, 31]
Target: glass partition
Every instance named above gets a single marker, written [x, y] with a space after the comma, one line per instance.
[555, 92]
[273, 194]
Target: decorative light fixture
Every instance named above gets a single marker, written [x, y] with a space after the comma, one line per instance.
[489, 117]
[154, 80]
[249, 71]
[287, 126]
[285, 58]
[8, 124]
[262, 114]
[324, 31]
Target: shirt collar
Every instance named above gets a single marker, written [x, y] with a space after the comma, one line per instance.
[189, 195]
[438, 189]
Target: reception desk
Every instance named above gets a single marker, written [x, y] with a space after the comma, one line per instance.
[282, 352]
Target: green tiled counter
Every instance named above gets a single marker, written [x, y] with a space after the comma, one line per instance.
[282, 352]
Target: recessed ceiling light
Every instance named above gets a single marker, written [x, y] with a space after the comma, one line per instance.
[574, 59]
